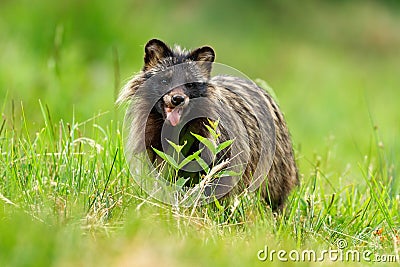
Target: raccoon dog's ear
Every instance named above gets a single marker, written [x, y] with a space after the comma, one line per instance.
[205, 57]
[155, 50]
[204, 53]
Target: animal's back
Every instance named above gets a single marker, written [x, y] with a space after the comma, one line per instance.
[255, 108]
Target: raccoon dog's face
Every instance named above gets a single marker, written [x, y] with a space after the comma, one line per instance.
[175, 78]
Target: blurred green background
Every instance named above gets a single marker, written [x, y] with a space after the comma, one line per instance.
[334, 65]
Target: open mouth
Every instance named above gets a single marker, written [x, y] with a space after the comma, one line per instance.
[173, 114]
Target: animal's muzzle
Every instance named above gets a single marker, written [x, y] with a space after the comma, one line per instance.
[174, 103]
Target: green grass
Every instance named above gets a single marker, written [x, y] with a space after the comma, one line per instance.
[66, 195]
[67, 199]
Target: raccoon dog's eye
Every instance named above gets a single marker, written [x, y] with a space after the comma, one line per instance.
[190, 85]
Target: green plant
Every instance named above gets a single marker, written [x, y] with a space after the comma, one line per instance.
[209, 172]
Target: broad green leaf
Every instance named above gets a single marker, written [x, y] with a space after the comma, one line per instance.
[212, 132]
[170, 160]
[177, 148]
[203, 164]
[206, 142]
[213, 124]
[188, 159]
[181, 182]
[224, 145]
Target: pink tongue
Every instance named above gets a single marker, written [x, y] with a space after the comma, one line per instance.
[174, 116]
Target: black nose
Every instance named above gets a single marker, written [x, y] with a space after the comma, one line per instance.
[176, 100]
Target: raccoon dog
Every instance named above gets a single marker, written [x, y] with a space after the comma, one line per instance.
[175, 95]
